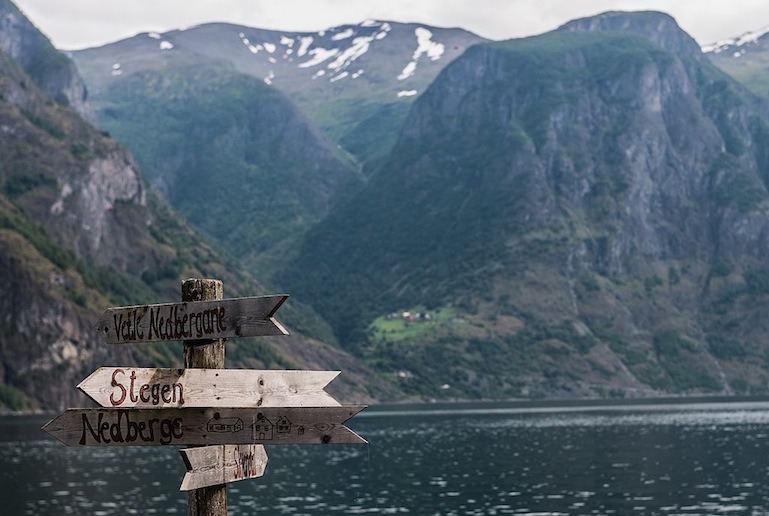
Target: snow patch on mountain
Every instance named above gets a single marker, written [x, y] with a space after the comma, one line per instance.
[335, 51]
[339, 76]
[319, 55]
[384, 28]
[359, 47]
[408, 71]
[343, 35]
[166, 45]
[254, 49]
[425, 46]
[736, 44]
[304, 45]
[342, 57]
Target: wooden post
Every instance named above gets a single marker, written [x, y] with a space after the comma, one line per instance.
[209, 354]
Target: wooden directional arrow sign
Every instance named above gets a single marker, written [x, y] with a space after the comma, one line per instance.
[206, 426]
[154, 388]
[213, 465]
[196, 320]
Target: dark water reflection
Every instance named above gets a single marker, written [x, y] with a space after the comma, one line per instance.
[428, 460]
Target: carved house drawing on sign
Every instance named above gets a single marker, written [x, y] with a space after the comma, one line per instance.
[283, 426]
[262, 428]
[225, 425]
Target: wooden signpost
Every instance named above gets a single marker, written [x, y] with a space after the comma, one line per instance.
[227, 413]
[197, 320]
[212, 465]
[153, 388]
[204, 426]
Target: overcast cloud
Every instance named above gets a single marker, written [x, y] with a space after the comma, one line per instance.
[74, 24]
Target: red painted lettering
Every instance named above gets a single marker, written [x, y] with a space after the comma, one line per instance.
[115, 383]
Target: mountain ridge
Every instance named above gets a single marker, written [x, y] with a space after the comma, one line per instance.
[161, 84]
[80, 231]
[51, 70]
[745, 57]
[343, 78]
[548, 191]
[577, 214]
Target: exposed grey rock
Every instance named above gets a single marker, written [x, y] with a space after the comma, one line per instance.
[52, 71]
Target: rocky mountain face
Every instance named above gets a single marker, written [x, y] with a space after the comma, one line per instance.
[231, 154]
[580, 213]
[68, 195]
[355, 82]
[237, 124]
[659, 28]
[52, 71]
[80, 231]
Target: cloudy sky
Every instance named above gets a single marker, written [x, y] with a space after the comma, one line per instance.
[75, 24]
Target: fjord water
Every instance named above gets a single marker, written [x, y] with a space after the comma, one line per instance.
[468, 459]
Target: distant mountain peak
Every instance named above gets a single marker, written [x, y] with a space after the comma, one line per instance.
[738, 45]
[660, 28]
[345, 78]
[334, 54]
[341, 53]
[52, 71]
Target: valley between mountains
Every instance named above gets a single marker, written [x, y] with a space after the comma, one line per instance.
[583, 213]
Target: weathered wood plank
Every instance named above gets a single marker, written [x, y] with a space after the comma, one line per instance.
[207, 354]
[204, 426]
[194, 320]
[155, 387]
[214, 465]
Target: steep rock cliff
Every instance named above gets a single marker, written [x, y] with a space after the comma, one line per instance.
[52, 71]
[226, 148]
[79, 232]
[64, 174]
[592, 208]
[659, 28]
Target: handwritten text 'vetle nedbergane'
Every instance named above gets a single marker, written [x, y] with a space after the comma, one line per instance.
[169, 323]
[195, 320]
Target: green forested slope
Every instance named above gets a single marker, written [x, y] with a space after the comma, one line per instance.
[588, 206]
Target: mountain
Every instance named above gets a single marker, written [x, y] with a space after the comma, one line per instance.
[659, 28]
[52, 71]
[80, 231]
[75, 233]
[231, 154]
[746, 58]
[223, 119]
[581, 213]
[355, 82]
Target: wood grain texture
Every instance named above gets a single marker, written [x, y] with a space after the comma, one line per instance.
[157, 388]
[204, 426]
[210, 500]
[192, 320]
[212, 465]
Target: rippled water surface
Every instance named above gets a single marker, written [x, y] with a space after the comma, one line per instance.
[668, 459]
